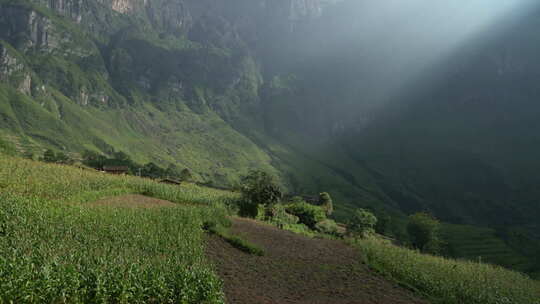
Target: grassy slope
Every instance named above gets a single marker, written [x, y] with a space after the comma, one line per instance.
[157, 125]
[171, 132]
[203, 143]
[449, 281]
[474, 243]
[56, 248]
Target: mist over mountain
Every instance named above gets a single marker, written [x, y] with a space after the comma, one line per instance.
[398, 106]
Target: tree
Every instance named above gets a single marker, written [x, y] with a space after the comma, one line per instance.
[172, 171]
[362, 222]
[258, 188]
[62, 158]
[308, 214]
[326, 202]
[121, 156]
[93, 159]
[186, 175]
[152, 170]
[384, 223]
[423, 230]
[49, 156]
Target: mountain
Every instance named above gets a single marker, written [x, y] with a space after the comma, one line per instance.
[167, 81]
[180, 82]
[456, 137]
[326, 94]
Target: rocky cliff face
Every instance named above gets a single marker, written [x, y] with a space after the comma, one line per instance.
[196, 64]
[69, 8]
[25, 28]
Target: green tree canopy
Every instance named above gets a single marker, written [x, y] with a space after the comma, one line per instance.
[326, 203]
[49, 156]
[186, 175]
[258, 188]
[362, 222]
[423, 230]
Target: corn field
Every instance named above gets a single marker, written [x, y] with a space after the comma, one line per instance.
[57, 248]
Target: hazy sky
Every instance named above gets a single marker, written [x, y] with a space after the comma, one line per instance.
[398, 40]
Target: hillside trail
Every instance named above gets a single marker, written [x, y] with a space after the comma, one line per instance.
[298, 269]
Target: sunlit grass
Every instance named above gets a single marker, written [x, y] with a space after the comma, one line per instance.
[57, 248]
[449, 281]
[65, 183]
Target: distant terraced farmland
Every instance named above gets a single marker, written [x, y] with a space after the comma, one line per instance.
[482, 244]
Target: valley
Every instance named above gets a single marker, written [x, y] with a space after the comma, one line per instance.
[350, 97]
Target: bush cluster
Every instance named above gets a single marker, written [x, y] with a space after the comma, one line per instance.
[258, 188]
[49, 156]
[326, 203]
[423, 231]
[362, 222]
[279, 216]
[307, 214]
[98, 161]
[327, 226]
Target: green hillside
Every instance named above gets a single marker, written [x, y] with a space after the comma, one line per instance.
[482, 244]
[222, 87]
[63, 239]
[128, 84]
[59, 247]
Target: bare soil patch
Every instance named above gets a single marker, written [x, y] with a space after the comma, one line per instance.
[133, 201]
[297, 269]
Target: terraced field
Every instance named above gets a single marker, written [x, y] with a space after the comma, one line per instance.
[481, 244]
[63, 238]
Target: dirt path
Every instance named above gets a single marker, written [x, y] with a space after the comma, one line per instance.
[133, 201]
[296, 269]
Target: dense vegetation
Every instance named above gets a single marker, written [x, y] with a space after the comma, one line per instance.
[199, 93]
[56, 247]
[449, 281]
[440, 279]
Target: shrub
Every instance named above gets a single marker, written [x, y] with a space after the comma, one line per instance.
[362, 222]
[260, 213]
[384, 224]
[279, 216]
[297, 199]
[232, 206]
[308, 214]
[327, 226]
[326, 203]
[423, 230]
[247, 209]
[258, 188]
[62, 158]
[299, 229]
[50, 157]
[186, 175]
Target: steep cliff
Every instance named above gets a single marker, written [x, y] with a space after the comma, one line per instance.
[170, 81]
